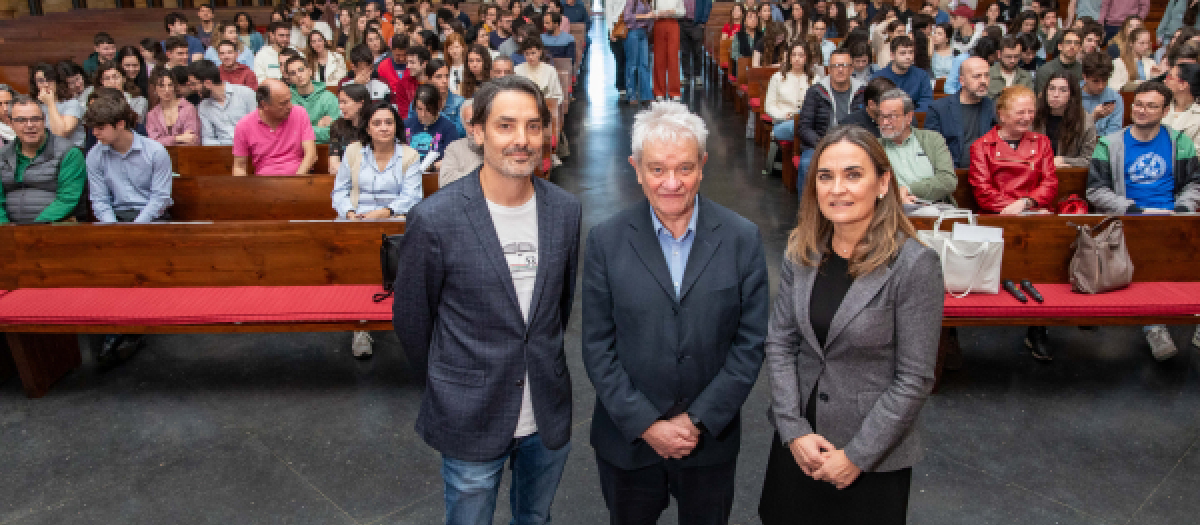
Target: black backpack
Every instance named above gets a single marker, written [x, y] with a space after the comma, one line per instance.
[389, 261]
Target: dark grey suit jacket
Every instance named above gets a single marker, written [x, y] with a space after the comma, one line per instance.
[651, 355]
[876, 368]
[457, 316]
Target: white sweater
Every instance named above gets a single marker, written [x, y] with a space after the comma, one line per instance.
[785, 96]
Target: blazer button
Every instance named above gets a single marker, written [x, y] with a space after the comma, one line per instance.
[823, 397]
[521, 382]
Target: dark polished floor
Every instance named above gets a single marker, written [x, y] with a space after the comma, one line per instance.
[291, 429]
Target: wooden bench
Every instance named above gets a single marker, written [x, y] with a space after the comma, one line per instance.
[179, 255]
[207, 198]
[208, 160]
[1071, 181]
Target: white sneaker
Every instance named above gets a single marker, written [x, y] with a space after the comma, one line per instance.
[677, 98]
[1161, 344]
[1196, 337]
[361, 347]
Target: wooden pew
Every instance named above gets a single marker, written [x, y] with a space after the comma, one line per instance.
[1070, 181]
[209, 160]
[260, 198]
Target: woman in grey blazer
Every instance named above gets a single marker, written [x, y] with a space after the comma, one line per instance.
[851, 347]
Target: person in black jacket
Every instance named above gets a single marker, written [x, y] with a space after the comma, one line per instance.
[828, 102]
[867, 117]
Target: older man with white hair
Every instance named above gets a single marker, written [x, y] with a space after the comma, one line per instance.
[674, 320]
[922, 164]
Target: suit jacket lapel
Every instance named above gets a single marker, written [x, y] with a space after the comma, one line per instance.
[548, 224]
[703, 247]
[804, 278]
[860, 293]
[481, 221]
[645, 244]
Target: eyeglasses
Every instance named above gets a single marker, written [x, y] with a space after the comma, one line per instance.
[21, 121]
[840, 66]
[884, 116]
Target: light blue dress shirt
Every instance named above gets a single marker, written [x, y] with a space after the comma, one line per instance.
[246, 57]
[1116, 120]
[393, 187]
[139, 179]
[676, 251]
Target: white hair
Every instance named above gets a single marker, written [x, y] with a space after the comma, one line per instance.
[669, 122]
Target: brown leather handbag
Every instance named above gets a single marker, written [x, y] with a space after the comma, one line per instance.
[1101, 261]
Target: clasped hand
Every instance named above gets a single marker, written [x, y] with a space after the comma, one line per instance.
[820, 460]
[673, 438]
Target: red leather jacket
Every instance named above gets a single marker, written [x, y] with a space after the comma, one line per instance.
[1000, 175]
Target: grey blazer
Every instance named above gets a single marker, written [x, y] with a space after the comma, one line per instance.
[652, 355]
[877, 365]
[457, 316]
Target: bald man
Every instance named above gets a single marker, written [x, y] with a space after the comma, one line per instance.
[964, 117]
[278, 137]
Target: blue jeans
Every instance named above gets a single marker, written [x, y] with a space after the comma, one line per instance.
[639, 85]
[471, 486]
[785, 130]
[802, 171]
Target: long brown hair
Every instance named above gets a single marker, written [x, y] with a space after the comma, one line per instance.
[808, 244]
[1070, 132]
[470, 82]
[775, 43]
[810, 65]
[1121, 39]
[1128, 56]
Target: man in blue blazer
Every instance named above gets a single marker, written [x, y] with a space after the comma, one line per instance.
[674, 320]
[951, 115]
[483, 295]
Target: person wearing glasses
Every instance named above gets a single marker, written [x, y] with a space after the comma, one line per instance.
[43, 175]
[7, 95]
[921, 162]
[828, 103]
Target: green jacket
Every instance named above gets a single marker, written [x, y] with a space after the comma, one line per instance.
[941, 186]
[92, 63]
[319, 104]
[1106, 174]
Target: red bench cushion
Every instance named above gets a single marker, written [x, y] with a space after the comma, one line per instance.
[167, 306]
[1139, 299]
[796, 163]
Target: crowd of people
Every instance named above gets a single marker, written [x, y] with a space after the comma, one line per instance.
[677, 320]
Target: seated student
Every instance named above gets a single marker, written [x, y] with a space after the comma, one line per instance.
[247, 34]
[920, 160]
[1105, 106]
[7, 95]
[1007, 71]
[428, 130]
[351, 100]
[388, 171]
[277, 137]
[788, 87]
[557, 38]
[1146, 167]
[1068, 59]
[745, 40]
[1184, 82]
[176, 52]
[177, 25]
[824, 44]
[328, 66]
[503, 31]
[63, 112]
[222, 105]
[1093, 35]
[303, 25]
[266, 62]
[769, 49]
[913, 80]
[319, 103]
[868, 117]
[860, 52]
[393, 71]
[361, 73]
[232, 71]
[109, 74]
[172, 121]
[827, 104]
[512, 47]
[478, 70]
[185, 87]
[105, 51]
[438, 76]
[43, 175]
[1136, 64]
[1030, 46]
[502, 66]
[536, 69]
[227, 32]
[462, 156]
[1060, 116]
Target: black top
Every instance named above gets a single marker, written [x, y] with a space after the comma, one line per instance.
[1013, 143]
[747, 42]
[970, 120]
[1053, 123]
[829, 289]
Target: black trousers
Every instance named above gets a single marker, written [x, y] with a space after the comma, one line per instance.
[790, 497]
[691, 48]
[704, 495]
[618, 51]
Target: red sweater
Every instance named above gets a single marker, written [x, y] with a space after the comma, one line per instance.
[402, 84]
[1000, 175]
[241, 74]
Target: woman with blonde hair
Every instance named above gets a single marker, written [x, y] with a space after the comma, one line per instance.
[852, 345]
[328, 66]
[1136, 64]
[455, 47]
[1119, 41]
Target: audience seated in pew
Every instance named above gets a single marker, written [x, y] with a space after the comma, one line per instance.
[868, 117]
[828, 102]
[1060, 117]
[351, 101]
[913, 80]
[176, 49]
[172, 121]
[1068, 59]
[788, 87]
[502, 66]
[965, 116]
[63, 112]
[227, 32]
[43, 175]
[1104, 104]
[362, 73]
[392, 71]
[463, 155]
[920, 160]
[233, 71]
[428, 130]
[277, 137]
[1146, 167]
[1007, 71]
[110, 74]
[266, 62]
[106, 51]
[437, 75]
[320, 104]
[177, 25]
[7, 96]
[1184, 115]
[124, 187]
[223, 104]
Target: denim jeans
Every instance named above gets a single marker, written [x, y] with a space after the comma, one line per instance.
[785, 130]
[472, 486]
[639, 85]
[802, 171]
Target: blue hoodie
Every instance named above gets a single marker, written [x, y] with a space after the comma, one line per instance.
[915, 82]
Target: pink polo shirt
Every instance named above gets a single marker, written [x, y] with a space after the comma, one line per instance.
[273, 152]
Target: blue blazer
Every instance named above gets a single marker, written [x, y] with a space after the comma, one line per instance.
[944, 116]
[652, 355]
[459, 321]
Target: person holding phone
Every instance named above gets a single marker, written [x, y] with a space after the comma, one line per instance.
[1100, 101]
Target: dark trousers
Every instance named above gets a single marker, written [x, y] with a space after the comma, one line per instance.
[704, 495]
[691, 48]
[618, 51]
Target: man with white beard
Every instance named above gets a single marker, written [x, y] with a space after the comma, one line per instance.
[921, 163]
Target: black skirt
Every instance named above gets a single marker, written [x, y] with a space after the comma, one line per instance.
[792, 498]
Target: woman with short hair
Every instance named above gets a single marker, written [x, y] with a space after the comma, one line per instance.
[852, 345]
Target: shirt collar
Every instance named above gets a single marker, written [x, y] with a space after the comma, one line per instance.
[41, 148]
[659, 229]
[911, 136]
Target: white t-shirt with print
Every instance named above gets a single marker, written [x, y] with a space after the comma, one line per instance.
[517, 229]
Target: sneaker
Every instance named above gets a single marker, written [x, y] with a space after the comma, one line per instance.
[677, 98]
[1196, 338]
[361, 347]
[1037, 339]
[620, 92]
[1161, 344]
